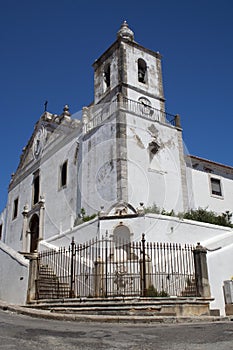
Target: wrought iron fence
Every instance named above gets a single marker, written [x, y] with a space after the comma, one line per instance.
[109, 267]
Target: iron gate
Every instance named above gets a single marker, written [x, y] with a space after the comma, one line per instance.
[109, 268]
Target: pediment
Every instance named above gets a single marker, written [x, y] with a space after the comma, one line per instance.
[34, 149]
[48, 130]
[120, 209]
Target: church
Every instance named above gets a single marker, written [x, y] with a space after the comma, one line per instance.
[118, 167]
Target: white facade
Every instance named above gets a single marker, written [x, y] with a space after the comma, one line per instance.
[125, 154]
[52, 205]
[211, 185]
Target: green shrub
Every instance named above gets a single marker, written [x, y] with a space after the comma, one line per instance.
[152, 292]
[210, 217]
[199, 214]
[152, 209]
[83, 217]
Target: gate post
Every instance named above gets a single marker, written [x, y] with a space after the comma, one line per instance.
[201, 272]
[72, 270]
[143, 266]
[33, 276]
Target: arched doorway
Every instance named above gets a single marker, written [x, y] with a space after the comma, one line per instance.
[122, 233]
[121, 238]
[34, 230]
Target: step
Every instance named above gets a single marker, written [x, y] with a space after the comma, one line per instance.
[107, 309]
[113, 302]
[48, 275]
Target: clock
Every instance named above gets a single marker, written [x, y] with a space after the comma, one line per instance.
[39, 141]
[145, 105]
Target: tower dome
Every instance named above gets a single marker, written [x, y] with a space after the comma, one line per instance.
[125, 32]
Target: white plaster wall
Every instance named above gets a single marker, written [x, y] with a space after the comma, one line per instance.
[14, 227]
[158, 180]
[220, 268]
[136, 227]
[97, 170]
[60, 203]
[202, 192]
[161, 228]
[81, 233]
[3, 216]
[13, 275]
[189, 180]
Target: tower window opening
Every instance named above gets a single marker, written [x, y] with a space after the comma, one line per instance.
[142, 70]
[0, 231]
[63, 175]
[107, 76]
[15, 208]
[36, 189]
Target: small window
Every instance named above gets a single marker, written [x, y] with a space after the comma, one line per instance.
[63, 175]
[216, 186]
[15, 208]
[0, 231]
[142, 70]
[36, 188]
[107, 76]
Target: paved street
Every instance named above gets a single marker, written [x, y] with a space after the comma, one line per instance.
[24, 333]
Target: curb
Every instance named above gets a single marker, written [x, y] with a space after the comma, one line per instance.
[44, 314]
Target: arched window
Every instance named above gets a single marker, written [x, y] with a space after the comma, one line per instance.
[121, 238]
[142, 70]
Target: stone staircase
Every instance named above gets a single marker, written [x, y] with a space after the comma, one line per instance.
[126, 306]
[48, 285]
[53, 296]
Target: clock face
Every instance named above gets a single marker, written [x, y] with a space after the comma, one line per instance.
[145, 105]
[39, 142]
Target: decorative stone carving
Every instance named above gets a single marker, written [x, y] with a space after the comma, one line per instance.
[39, 141]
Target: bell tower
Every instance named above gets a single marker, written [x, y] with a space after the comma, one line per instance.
[133, 152]
[130, 69]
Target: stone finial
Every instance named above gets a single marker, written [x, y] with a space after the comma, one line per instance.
[125, 32]
[66, 114]
[26, 207]
[66, 110]
[141, 209]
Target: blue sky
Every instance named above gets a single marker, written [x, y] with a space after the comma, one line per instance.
[48, 47]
